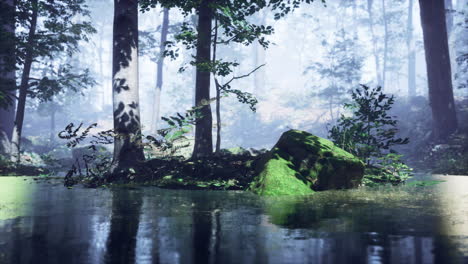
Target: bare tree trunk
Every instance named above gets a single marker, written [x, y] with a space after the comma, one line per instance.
[218, 94]
[449, 16]
[203, 128]
[52, 125]
[159, 73]
[374, 42]
[385, 58]
[18, 127]
[444, 120]
[411, 53]
[128, 149]
[7, 76]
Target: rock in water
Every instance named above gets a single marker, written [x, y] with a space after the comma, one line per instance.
[301, 163]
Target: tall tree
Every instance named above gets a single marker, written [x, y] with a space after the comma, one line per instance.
[50, 30]
[444, 120]
[7, 74]
[374, 41]
[128, 149]
[386, 35]
[23, 89]
[159, 73]
[411, 52]
[203, 128]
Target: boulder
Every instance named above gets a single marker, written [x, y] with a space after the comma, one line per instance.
[301, 163]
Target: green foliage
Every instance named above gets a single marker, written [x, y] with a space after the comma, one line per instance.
[168, 140]
[370, 132]
[95, 161]
[231, 19]
[390, 170]
[58, 81]
[424, 183]
[57, 31]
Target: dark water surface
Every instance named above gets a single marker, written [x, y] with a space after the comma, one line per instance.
[43, 222]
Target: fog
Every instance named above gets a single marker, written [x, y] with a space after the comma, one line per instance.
[291, 88]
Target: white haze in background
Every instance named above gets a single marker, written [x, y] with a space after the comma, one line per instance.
[295, 45]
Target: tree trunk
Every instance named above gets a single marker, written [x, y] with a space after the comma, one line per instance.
[18, 126]
[7, 76]
[374, 42]
[449, 16]
[128, 149]
[461, 44]
[385, 56]
[203, 128]
[159, 73]
[411, 53]
[52, 125]
[218, 94]
[444, 121]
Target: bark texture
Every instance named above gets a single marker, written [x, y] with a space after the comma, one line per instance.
[203, 128]
[444, 120]
[128, 149]
[159, 73]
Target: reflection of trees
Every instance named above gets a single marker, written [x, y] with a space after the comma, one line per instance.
[202, 231]
[125, 219]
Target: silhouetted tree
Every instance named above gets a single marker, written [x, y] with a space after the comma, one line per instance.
[444, 120]
[7, 74]
[49, 30]
[203, 128]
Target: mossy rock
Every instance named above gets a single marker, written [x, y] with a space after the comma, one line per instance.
[301, 163]
[235, 151]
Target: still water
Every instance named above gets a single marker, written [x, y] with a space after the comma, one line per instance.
[43, 222]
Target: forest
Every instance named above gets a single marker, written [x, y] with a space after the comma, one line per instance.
[246, 131]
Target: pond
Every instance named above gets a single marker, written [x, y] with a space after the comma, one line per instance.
[43, 222]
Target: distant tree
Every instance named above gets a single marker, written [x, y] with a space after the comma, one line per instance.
[384, 22]
[444, 119]
[159, 73]
[341, 70]
[50, 30]
[411, 57]
[128, 148]
[371, 23]
[7, 74]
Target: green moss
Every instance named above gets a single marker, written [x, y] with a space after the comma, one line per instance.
[301, 162]
[278, 178]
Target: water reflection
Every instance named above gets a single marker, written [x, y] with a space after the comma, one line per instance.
[124, 223]
[149, 225]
